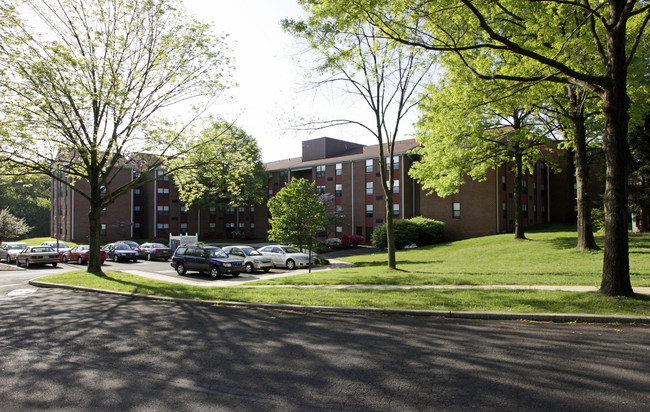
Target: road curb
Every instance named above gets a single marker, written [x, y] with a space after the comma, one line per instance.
[537, 317]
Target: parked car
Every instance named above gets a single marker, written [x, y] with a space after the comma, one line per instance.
[133, 245]
[37, 255]
[152, 251]
[120, 251]
[287, 256]
[63, 247]
[80, 254]
[253, 259]
[205, 259]
[8, 251]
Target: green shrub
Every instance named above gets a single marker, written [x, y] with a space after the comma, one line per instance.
[430, 231]
[418, 230]
[597, 219]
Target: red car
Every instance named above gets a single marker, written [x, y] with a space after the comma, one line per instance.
[80, 254]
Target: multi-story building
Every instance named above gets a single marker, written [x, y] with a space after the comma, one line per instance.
[347, 170]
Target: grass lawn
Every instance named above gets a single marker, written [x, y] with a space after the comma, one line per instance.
[547, 258]
[498, 300]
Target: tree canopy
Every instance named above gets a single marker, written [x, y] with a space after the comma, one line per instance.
[11, 226]
[87, 89]
[224, 167]
[296, 213]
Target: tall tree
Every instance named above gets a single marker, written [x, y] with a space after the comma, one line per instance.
[28, 196]
[527, 28]
[467, 129]
[296, 213]
[86, 83]
[384, 74]
[223, 165]
[640, 161]
[11, 226]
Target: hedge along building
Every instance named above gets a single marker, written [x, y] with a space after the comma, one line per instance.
[350, 171]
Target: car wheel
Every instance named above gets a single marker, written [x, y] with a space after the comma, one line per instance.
[235, 275]
[214, 272]
[54, 264]
[26, 263]
[249, 268]
[180, 269]
[291, 265]
[266, 270]
[64, 259]
[80, 261]
[148, 256]
[115, 259]
[102, 262]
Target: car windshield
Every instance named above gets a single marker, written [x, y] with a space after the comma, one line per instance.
[122, 246]
[249, 251]
[83, 247]
[41, 249]
[291, 250]
[215, 252]
[17, 246]
[53, 244]
[157, 245]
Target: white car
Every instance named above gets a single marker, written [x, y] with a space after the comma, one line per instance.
[63, 248]
[253, 259]
[288, 256]
[8, 251]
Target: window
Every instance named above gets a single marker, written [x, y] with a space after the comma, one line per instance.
[242, 226]
[103, 229]
[183, 210]
[136, 191]
[136, 208]
[339, 190]
[339, 169]
[455, 210]
[270, 192]
[542, 189]
[503, 183]
[183, 227]
[230, 226]
[524, 186]
[162, 210]
[284, 175]
[252, 226]
[136, 225]
[163, 192]
[339, 231]
[395, 210]
[320, 190]
[505, 209]
[320, 171]
[395, 163]
[369, 210]
[213, 227]
[369, 188]
[338, 209]
[162, 228]
[213, 210]
[369, 166]
[230, 211]
[240, 210]
[103, 212]
[161, 174]
[252, 211]
[535, 188]
[395, 186]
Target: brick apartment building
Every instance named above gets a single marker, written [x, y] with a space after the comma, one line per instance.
[347, 170]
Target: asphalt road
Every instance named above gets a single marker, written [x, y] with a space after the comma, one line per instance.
[64, 350]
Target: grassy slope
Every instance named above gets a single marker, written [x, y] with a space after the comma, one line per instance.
[548, 257]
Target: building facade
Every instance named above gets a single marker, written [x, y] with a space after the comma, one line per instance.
[348, 171]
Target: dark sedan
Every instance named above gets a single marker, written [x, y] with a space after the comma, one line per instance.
[119, 252]
[151, 251]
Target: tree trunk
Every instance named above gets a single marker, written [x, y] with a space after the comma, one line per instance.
[585, 232]
[616, 265]
[94, 260]
[519, 214]
[390, 231]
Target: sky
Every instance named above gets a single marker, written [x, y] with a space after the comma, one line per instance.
[272, 93]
